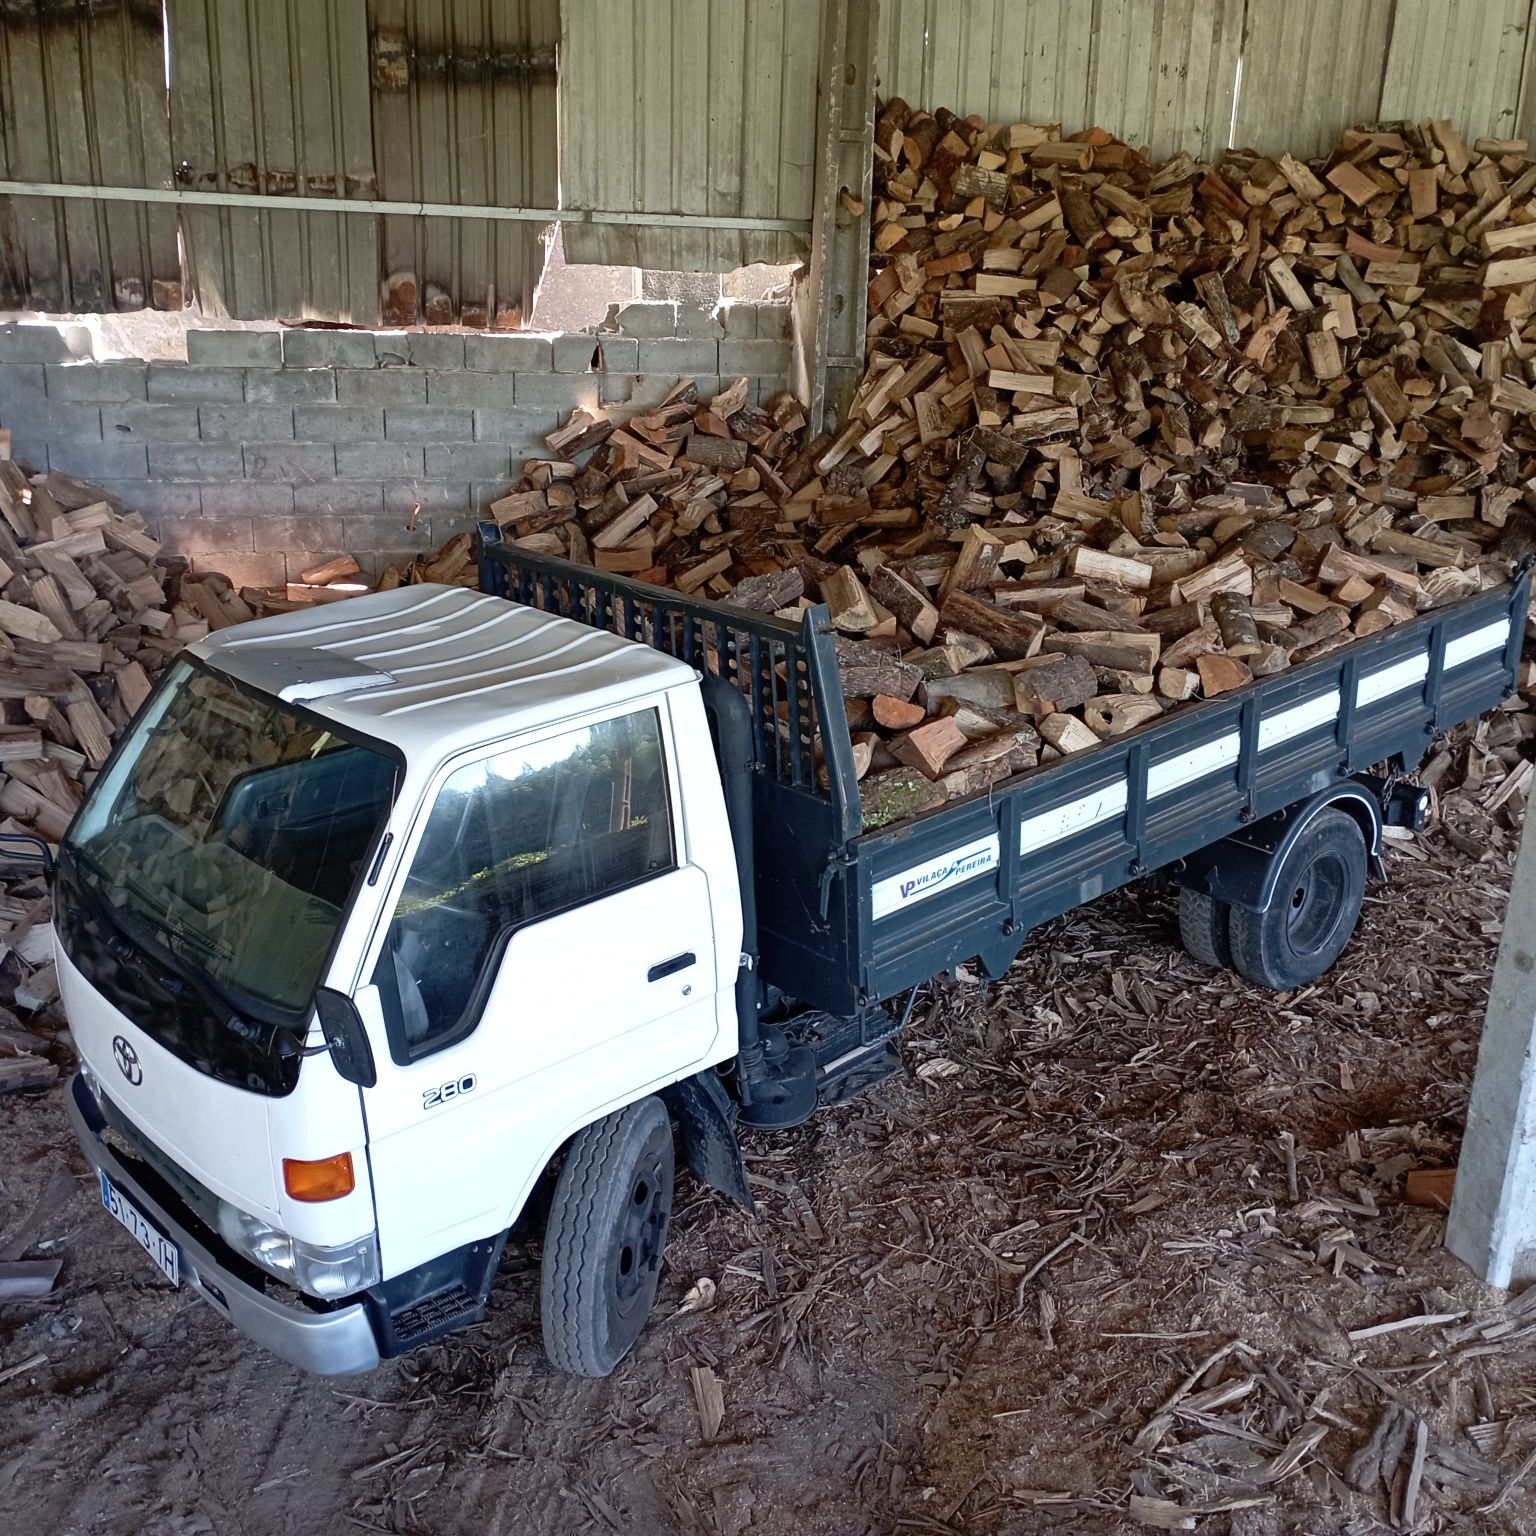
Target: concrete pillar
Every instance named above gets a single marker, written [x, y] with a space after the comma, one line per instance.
[1492, 1224]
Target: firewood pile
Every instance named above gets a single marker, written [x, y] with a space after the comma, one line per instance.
[90, 612]
[1130, 434]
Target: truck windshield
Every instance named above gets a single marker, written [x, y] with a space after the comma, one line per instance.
[227, 836]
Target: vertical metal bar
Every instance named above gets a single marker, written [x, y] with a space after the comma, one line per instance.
[760, 729]
[836, 743]
[796, 715]
[1247, 748]
[1344, 727]
[1433, 676]
[1135, 801]
[783, 740]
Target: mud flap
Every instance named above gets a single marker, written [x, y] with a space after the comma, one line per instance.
[706, 1116]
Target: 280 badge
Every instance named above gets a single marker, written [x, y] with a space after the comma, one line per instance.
[433, 1097]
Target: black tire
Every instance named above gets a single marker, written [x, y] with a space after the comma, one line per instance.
[1204, 928]
[603, 1244]
[1317, 903]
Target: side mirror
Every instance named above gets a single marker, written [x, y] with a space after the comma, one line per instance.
[27, 853]
[346, 1037]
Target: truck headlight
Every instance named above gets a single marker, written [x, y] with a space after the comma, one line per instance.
[327, 1272]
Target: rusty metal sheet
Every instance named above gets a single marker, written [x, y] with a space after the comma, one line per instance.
[82, 102]
[464, 112]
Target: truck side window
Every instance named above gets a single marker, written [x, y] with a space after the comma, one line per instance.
[512, 839]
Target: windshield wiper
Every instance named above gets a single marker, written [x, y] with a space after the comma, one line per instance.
[132, 950]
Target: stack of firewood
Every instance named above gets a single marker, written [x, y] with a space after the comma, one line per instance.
[89, 614]
[1130, 434]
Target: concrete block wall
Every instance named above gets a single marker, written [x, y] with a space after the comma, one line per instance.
[266, 452]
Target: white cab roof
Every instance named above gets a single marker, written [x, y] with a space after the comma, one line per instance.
[436, 669]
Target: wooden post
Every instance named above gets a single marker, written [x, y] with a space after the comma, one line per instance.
[829, 307]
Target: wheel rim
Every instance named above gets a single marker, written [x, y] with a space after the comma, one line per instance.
[641, 1236]
[1316, 904]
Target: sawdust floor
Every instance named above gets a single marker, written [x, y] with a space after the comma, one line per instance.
[964, 1301]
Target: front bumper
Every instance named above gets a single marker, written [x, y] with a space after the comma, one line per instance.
[336, 1343]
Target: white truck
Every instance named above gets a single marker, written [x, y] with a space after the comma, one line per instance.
[382, 911]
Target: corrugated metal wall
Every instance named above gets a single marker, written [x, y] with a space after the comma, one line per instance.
[272, 96]
[82, 99]
[1334, 59]
[464, 112]
[1165, 72]
[688, 106]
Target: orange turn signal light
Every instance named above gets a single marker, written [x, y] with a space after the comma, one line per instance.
[327, 1179]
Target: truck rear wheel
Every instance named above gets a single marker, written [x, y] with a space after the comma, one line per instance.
[603, 1244]
[1318, 892]
[1204, 928]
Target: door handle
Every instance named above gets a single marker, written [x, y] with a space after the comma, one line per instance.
[671, 967]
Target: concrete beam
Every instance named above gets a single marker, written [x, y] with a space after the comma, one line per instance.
[1492, 1225]
[829, 299]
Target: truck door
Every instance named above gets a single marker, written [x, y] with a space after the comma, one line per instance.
[550, 953]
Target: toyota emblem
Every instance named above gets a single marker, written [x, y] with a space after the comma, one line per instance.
[127, 1060]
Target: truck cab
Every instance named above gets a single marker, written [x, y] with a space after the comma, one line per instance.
[372, 911]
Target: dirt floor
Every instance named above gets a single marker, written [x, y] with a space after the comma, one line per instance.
[1055, 1277]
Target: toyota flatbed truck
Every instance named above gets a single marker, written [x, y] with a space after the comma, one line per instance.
[383, 911]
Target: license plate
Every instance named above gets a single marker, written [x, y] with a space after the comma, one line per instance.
[149, 1237]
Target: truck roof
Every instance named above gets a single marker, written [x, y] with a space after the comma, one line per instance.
[431, 667]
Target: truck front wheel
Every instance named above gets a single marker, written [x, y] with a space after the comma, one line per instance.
[603, 1244]
[1318, 891]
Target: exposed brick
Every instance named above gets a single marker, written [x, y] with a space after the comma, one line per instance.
[338, 423]
[96, 461]
[269, 569]
[676, 355]
[426, 349]
[393, 348]
[185, 535]
[202, 386]
[479, 389]
[149, 423]
[446, 524]
[620, 354]
[156, 498]
[340, 496]
[105, 382]
[246, 424]
[248, 498]
[236, 349]
[695, 320]
[481, 494]
[563, 391]
[289, 461]
[648, 389]
[387, 532]
[206, 461]
[384, 386]
[290, 386]
[329, 349]
[522, 429]
[430, 424]
[739, 320]
[765, 356]
[507, 354]
[575, 353]
[36, 418]
[401, 495]
[21, 382]
[308, 533]
[378, 461]
[647, 318]
[467, 461]
[44, 343]
[774, 321]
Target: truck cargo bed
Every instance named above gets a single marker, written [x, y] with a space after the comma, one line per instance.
[848, 917]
